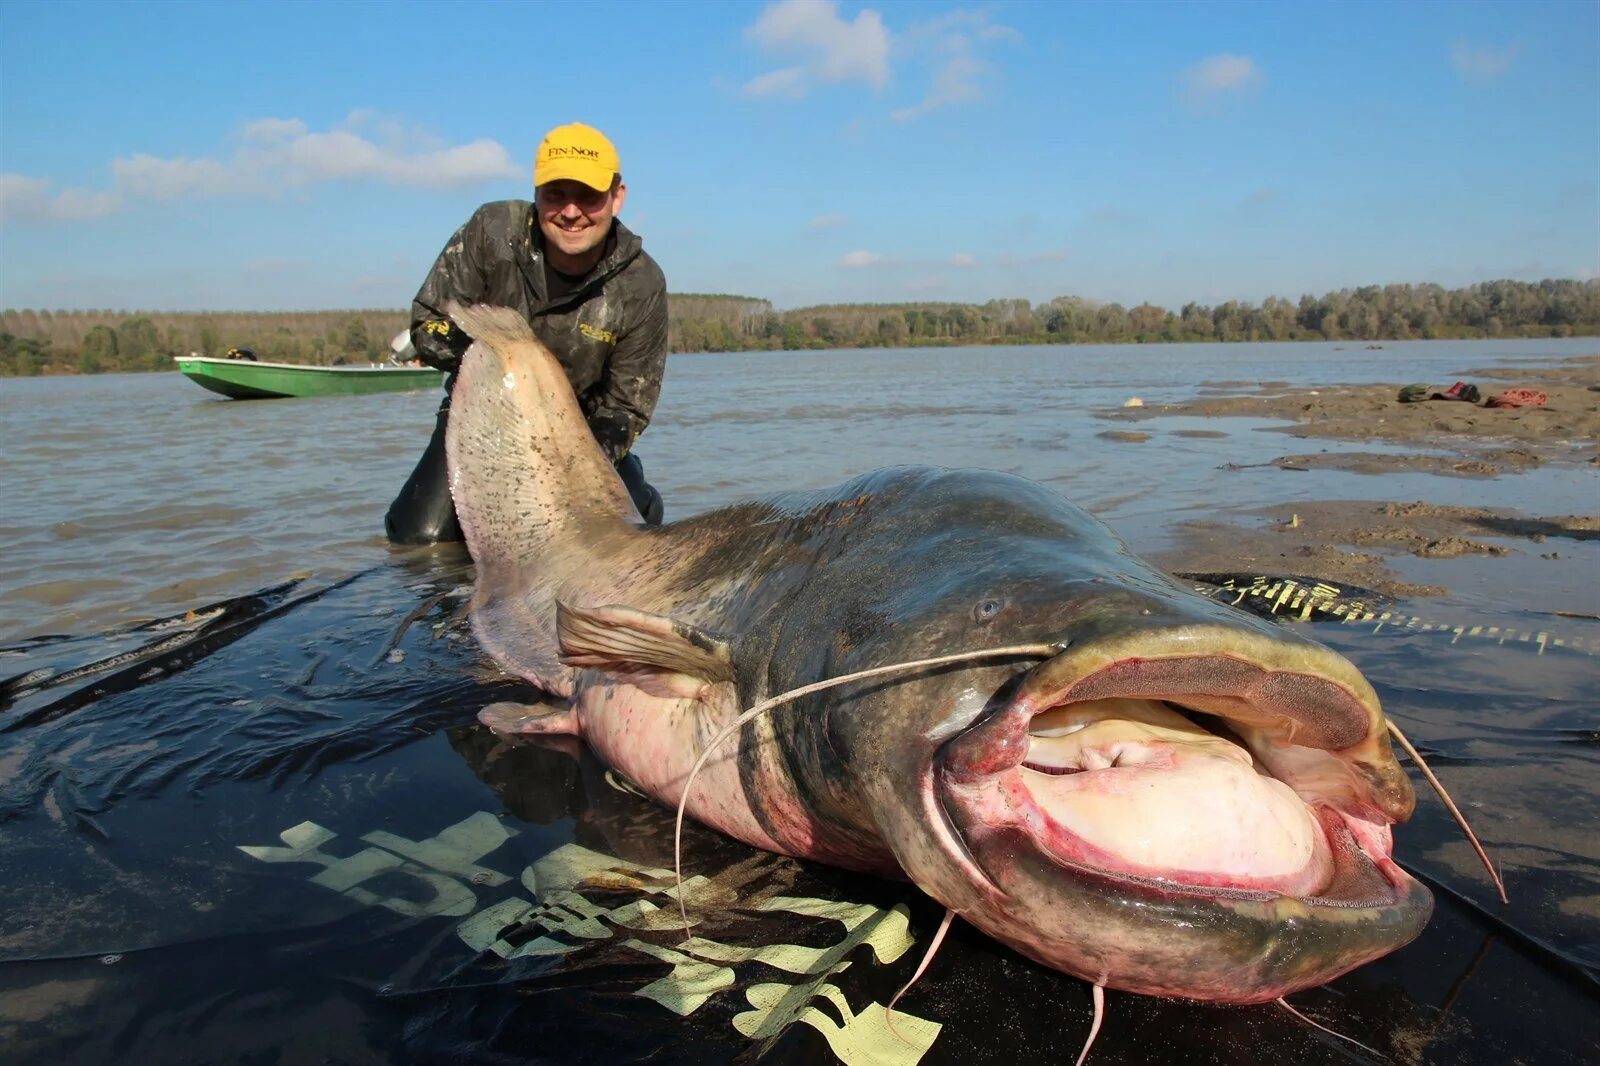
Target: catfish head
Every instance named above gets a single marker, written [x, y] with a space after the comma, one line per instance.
[1183, 801]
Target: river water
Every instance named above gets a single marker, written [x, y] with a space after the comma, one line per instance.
[129, 495]
[285, 838]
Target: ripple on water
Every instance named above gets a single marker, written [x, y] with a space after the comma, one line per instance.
[63, 592]
[169, 516]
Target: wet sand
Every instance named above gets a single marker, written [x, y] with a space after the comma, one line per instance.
[1356, 541]
[1353, 541]
[1514, 436]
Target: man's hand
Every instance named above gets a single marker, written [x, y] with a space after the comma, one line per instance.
[440, 343]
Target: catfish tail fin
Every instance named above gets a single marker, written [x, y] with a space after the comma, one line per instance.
[539, 502]
[498, 327]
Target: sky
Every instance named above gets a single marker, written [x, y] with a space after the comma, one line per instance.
[278, 156]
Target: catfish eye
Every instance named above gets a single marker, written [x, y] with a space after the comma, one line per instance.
[987, 609]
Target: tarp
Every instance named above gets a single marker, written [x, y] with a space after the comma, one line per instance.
[277, 833]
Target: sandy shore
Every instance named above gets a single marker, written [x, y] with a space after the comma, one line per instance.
[1482, 439]
[1353, 541]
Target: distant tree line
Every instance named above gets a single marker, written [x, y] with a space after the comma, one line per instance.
[1373, 312]
[89, 342]
[46, 342]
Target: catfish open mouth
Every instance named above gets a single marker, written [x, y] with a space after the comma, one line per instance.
[1205, 760]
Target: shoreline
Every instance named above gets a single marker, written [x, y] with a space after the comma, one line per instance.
[1341, 344]
[1367, 542]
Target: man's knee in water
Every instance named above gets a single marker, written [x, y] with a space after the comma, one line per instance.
[645, 497]
[423, 512]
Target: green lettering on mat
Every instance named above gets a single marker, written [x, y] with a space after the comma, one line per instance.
[440, 868]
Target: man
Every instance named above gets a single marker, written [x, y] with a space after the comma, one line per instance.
[591, 294]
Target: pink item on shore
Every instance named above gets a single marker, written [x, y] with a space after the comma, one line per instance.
[1518, 397]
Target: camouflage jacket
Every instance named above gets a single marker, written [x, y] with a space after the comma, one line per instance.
[610, 335]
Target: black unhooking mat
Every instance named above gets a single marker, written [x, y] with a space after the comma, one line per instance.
[271, 830]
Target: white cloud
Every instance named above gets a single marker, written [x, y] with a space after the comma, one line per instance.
[834, 51]
[336, 155]
[1484, 63]
[863, 260]
[25, 199]
[952, 41]
[271, 154]
[832, 220]
[956, 82]
[789, 82]
[146, 177]
[1214, 78]
[274, 129]
[343, 155]
[85, 203]
[831, 50]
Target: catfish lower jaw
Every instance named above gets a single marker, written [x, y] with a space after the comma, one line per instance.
[1197, 755]
[1187, 939]
[1135, 786]
[1162, 938]
[1225, 863]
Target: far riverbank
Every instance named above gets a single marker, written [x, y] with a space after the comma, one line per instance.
[1035, 341]
[50, 342]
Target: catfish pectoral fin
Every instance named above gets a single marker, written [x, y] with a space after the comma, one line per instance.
[530, 719]
[615, 637]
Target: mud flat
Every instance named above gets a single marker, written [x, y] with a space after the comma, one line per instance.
[1353, 541]
[1360, 541]
[1566, 428]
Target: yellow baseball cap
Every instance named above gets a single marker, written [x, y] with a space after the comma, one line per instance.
[578, 152]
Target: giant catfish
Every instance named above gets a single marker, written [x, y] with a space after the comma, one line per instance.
[1181, 801]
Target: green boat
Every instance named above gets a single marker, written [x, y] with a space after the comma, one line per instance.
[248, 379]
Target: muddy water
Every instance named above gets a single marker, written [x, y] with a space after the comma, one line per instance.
[128, 495]
[281, 836]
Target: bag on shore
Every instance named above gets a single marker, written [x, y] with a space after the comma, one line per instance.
[1518, 397]
[1459, 391]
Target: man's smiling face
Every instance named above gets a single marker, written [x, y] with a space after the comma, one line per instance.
[575, 220]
